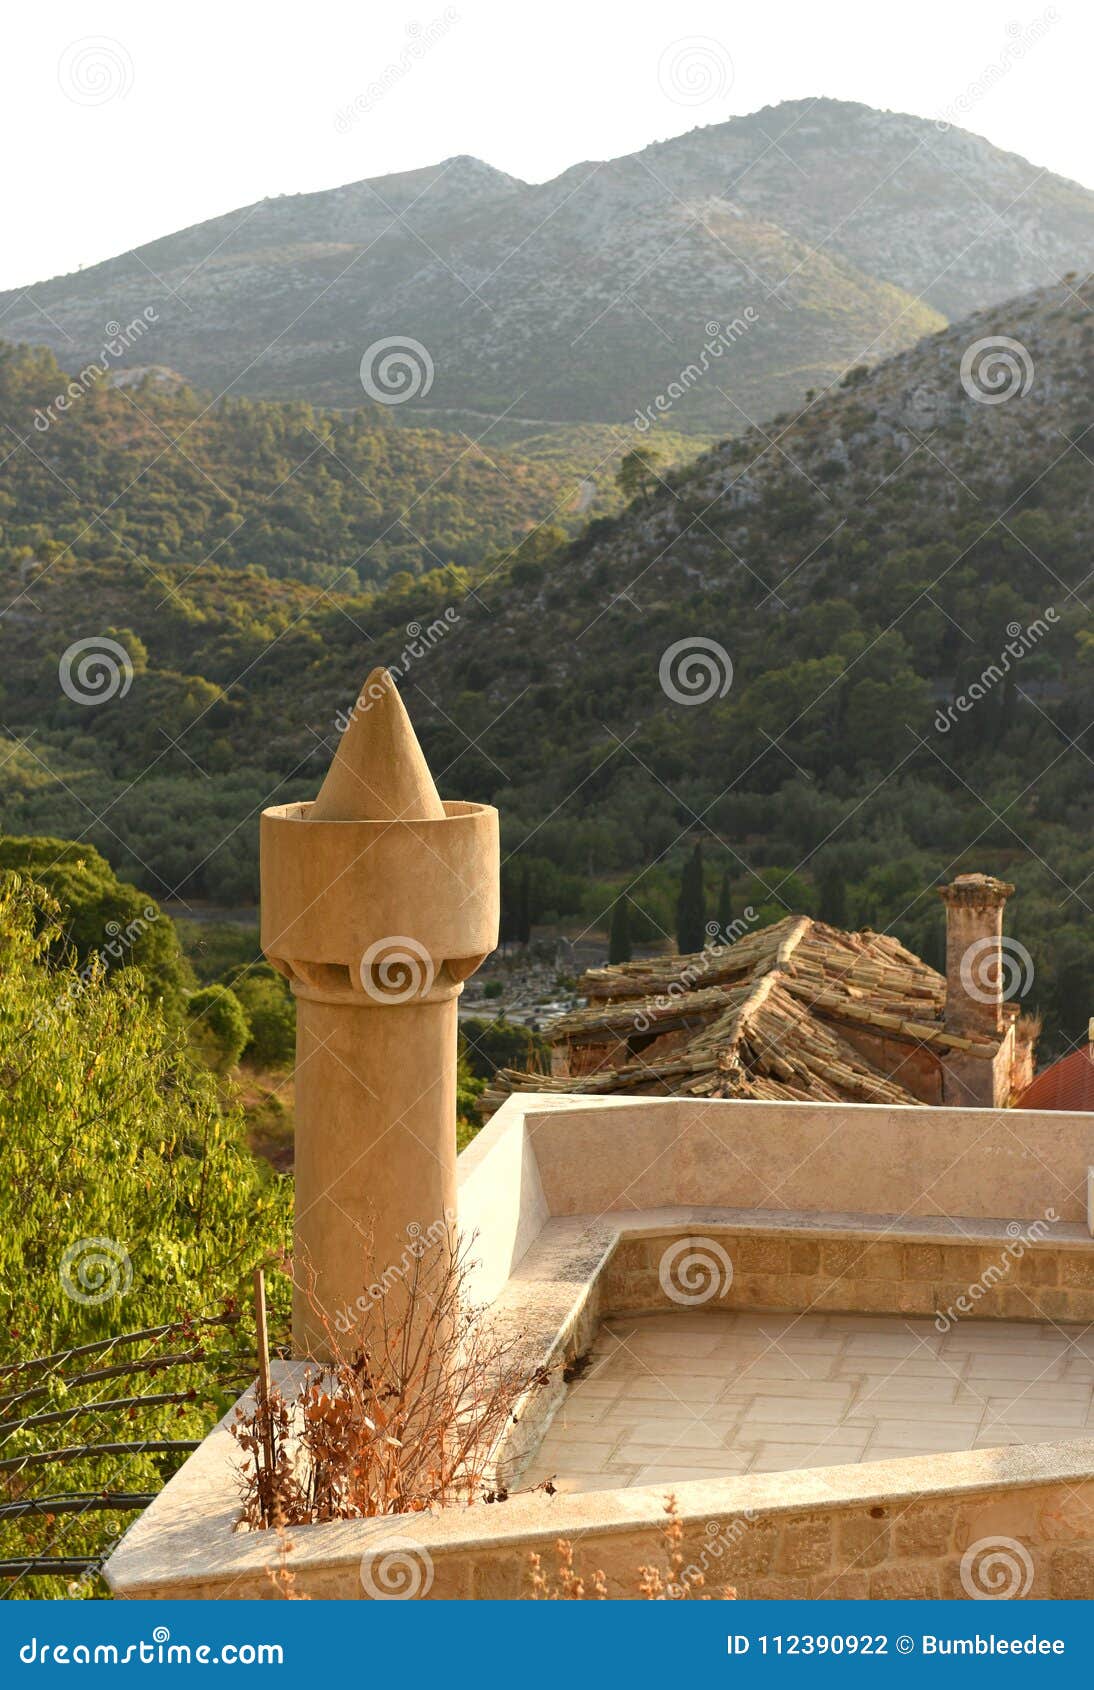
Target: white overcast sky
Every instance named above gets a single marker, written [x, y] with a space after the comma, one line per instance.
[216, 105]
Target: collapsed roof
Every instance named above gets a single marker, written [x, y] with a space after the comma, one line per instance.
[799, 1010]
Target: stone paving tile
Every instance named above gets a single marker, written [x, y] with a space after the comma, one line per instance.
[615, 1480]
[867, 1410]
[696, 1434]
[1011, 1367]
[712, 1461]
[778, 1364]
[886, 1345]
[1035, 1408]
[724, 1413]
[671, 1387]
[910, 1436]
[1061, 1390]
[696, 1345]
[780, 1458]
[583, 1411]
[967, 1334]
[668, 1473]
[1021, 1433]
[882, 1388]
[745, 1386]
[809, 1410]
[687, 1394]
[596, 1383]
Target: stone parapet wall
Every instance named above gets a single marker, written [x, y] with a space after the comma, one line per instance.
[902, 1546]
[939, 1526]
[595, 1155]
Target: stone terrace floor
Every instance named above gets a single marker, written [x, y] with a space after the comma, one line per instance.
[691, 1394]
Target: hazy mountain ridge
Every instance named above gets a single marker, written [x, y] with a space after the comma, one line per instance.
[582, 298]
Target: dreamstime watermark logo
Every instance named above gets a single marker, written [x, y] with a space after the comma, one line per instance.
[995, 369]
[1020, 641]
[397, 1569]
[396, 369]
[722, 1536]
[1019, 1239]
[996, 1569]
[419, 43]
[694, 670]
[694, 1271]
[95, 70]
[994, 968]
[397, 969]
[719, 340]
[157, 1651]
[420, 1241]
[95, 1271]
[95, 670]
[420, 640]
[1022, 38]
[118, 340]
[695, 70]
[690, 977]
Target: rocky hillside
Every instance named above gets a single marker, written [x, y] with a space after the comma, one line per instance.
[845, 233]
[888, 535]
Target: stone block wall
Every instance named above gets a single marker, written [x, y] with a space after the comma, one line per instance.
[1034, 1541]
[869, 1274]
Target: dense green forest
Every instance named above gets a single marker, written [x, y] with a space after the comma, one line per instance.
[862, 565]
[157, 471]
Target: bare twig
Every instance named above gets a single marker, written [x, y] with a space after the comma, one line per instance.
[406, 1416]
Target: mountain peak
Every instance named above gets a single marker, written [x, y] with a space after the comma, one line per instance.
[838, 233]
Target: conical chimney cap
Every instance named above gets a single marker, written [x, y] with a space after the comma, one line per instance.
[379, 771]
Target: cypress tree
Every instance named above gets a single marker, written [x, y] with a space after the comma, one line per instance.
[524, 908]
[691, 906]
[619, 938]
[833, 896]
[725, 910]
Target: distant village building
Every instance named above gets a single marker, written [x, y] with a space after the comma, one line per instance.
[804, 1011]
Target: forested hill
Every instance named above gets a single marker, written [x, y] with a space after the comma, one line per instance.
[154, 469]
[866, 567]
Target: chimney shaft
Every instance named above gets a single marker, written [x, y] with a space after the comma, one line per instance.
[377, 902]
[974, 954]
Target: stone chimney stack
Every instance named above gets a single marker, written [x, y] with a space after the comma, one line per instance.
[378, 901]
[974, 955]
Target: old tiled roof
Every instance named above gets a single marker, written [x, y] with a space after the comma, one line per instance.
[771, 1016]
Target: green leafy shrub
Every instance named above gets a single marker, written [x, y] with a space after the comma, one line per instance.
[487, 1046]
[127, 1199]
[266, 1000]
[101, 917]
[218, 1027]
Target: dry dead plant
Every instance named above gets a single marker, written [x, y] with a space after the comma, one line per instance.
[676, 1581]
[406, 1416]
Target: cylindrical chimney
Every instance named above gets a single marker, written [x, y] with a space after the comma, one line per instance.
[974, 954]
[378, 901]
